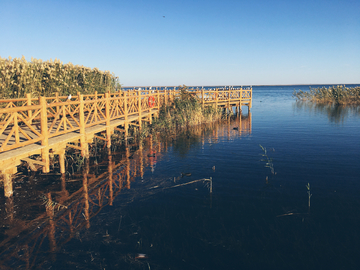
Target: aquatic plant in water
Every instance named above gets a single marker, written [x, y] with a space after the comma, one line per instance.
[268, 161]
[334, 94]
[309, 193]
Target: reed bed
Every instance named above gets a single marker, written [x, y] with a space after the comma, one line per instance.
[19, 77]
[334, 94]
[185, 111]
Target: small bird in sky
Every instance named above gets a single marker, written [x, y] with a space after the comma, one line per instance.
[163, 16]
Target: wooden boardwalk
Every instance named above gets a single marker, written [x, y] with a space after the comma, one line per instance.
[47, 125]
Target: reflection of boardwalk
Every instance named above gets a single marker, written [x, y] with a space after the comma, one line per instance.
[67, 213]
[42, 126]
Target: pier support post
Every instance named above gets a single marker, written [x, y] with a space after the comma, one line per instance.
[8, 185]
[62, 161]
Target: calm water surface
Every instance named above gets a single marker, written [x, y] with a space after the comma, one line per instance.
[255, 218]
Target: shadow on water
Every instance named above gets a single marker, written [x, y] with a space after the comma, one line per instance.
[335, 112]
[89, 218]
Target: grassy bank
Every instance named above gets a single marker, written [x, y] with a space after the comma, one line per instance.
[335, 94]
[19, 77]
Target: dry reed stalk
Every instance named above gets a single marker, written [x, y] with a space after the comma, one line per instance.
[19, 77]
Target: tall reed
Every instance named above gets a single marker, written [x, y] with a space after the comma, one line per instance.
[186, 110]
[43, 78]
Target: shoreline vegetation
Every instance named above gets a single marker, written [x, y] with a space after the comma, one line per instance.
[338, 95]
[19, 77]
[181, 113]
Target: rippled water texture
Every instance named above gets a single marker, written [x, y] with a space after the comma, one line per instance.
[294, 205]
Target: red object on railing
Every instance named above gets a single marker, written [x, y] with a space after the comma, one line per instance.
[151, 101]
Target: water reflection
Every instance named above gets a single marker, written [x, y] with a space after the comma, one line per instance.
[46, 212]
[335, 113]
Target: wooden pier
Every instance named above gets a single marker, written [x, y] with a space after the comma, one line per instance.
[45, 126]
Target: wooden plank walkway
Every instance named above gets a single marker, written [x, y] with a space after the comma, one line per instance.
[38, 126]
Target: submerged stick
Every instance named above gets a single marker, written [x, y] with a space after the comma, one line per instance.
[188, 183]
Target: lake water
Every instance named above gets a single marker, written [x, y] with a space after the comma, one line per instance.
[295, 206]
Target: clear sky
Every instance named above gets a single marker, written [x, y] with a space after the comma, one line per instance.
[191, 42]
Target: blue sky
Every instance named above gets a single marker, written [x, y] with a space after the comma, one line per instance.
[202, 42]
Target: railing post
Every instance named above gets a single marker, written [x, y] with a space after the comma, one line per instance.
[28, 97]
[56, 101]
[126, 115]
[158, 101]
[83, 144]
[216, 97]
[203, 98]
[139, 104]
[250, 102]
[44, 135]
[229, 93]
[95, 107]
[107, 115]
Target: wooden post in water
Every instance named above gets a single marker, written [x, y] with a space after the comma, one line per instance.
[8, 186]
[62, 161]
[127, 167]
[141, 163]
[86, 200]
[44, 135]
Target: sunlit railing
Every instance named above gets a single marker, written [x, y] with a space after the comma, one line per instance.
[30, 120]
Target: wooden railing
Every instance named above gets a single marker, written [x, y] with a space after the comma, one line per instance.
[30, 120]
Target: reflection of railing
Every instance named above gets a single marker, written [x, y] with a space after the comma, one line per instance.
[57, 225]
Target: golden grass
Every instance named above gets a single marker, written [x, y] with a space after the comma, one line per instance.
[19, 77]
